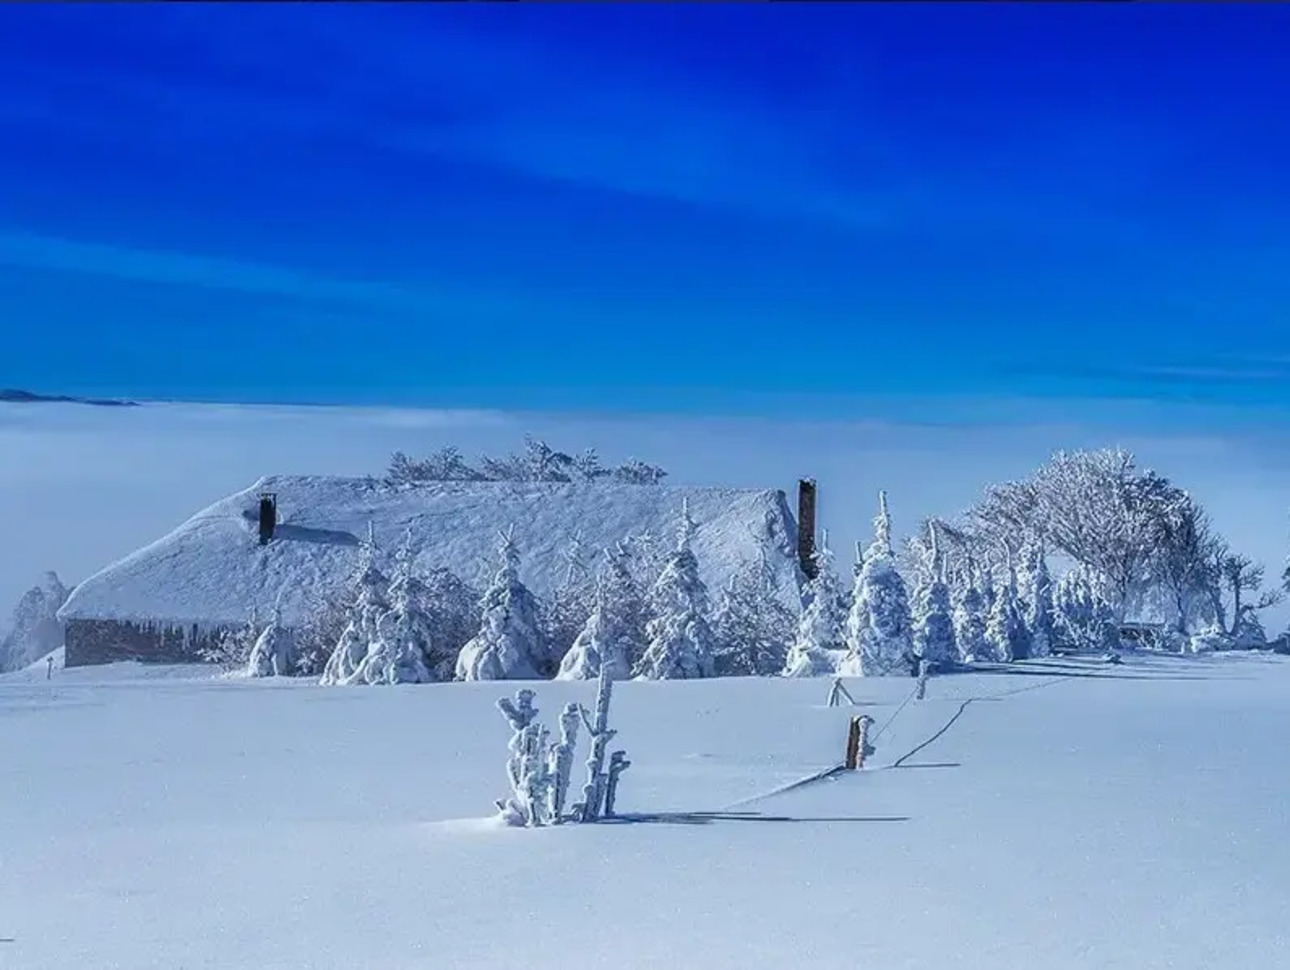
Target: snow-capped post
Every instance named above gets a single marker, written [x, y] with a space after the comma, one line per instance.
[924, 671]
[562, 760]
[593, 792]
[858, 746]
[618, 763]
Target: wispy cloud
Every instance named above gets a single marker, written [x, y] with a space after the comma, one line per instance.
[33, 251]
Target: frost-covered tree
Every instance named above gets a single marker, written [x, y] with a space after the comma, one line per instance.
[636, 472]
[680, 640]
[613, 636]
[969, 618]
[366, 604]
[1084, 617]
[572, 601]
[753, 626]
[1036, 595]
[933, 616]
[273, 653]
[1005, 629]
[509, 645]
[401, 651]
[820, 643]
[879, 628]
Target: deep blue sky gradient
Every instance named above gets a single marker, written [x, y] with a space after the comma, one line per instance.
[720, 207]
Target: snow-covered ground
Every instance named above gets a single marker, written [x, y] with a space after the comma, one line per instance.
[1071, 816]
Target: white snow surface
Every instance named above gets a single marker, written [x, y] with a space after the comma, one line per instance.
[1071, 816]
[212, 570]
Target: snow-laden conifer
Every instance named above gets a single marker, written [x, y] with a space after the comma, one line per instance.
[401, 650]
[509, 645]
[1036, 594]
[572, 602]
[969, 618]
[680, 640]
[933, 615]
[1004, 628]
[753, 626]
[879, 630]
[367, 604]
[819, 645]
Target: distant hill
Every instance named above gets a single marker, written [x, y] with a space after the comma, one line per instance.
[14, 396]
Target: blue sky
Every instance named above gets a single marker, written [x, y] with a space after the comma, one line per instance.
[778, 208]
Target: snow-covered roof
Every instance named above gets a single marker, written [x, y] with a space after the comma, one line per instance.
[212, 569]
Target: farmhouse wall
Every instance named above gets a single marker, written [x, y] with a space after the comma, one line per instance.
[108, 641]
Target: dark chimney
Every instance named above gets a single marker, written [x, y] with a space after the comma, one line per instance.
[268, 516]
[806, 526]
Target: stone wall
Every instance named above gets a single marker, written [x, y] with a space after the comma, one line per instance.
[108, 641]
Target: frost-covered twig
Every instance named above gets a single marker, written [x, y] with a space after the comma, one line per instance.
[593, 792]
[526, 768]
[562, 760]
[618, 763]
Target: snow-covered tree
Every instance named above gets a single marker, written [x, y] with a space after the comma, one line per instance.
[401, 651]
[1035, 591]
[933, 615]
[680, 640]
[273, 654]
[753, 626]
[613, 636]
[572, 601]
[820, 643]
[969, 619]
[879, 629]
[367, 603]
[509, 645]
[1005, 629]
[35, 629]
[1083, 616]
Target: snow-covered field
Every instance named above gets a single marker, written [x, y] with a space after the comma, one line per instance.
[1072, 816]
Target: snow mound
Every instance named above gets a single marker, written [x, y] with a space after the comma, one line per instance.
[212, 570]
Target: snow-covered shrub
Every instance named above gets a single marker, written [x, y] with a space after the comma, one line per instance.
[232, 646]
[539, 771]
[680, 640]
[819, 644]
[509, 644]
[1209, 640]
[879, 629]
